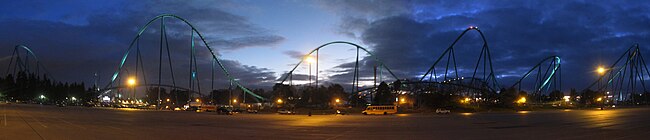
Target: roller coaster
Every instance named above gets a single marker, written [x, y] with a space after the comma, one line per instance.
[446, 78]
[20, 62]
[625, 77]
[194, 82]
[484, 82]
[546, 79]
[356, 75]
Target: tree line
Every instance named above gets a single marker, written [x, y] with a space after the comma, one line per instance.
[39, 88]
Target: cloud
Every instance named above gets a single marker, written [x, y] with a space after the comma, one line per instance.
[294, 54]
[519, 34]
[249, 41]
[94, 41]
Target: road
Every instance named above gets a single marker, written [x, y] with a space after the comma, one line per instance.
[68, 123]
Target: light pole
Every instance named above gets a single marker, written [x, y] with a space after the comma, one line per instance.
[309, 60]
[230, 92]
[601, 71]
[599, 100]
[131, 82]
[243, 101]
[279, 102]
[42, 97]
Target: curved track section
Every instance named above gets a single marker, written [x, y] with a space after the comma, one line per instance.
[194, 31]
[543, 79]
[21, 63]
[625, 76]
[485, 55]
[356, 70]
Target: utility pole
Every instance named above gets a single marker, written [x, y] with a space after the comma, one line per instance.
[230, 92]
[316, 68]
[244, 100]
[310, 75]
[375, 76]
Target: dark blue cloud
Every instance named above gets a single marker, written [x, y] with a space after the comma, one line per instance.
[74, 39]
[411, 35]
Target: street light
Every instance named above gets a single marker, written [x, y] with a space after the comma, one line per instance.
[465, 101]
[279, 101]
[602, 105]
[521, 100]
[337, 100]
[131, 81]
[567, 98]
[198, 100]
[234, 101]
[601, 70]
[310, 59]
[167, 100]
[42, 96]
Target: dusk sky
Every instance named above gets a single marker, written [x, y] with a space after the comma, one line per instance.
[260, 40]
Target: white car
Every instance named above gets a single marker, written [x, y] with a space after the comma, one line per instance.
[442, 111]
[284, 111]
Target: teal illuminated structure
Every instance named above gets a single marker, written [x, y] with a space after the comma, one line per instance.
[488, 75]
[544, 79]
[22, 63]
[134, 46]
[625, 77]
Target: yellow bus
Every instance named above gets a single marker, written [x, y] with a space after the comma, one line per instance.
[380, 109]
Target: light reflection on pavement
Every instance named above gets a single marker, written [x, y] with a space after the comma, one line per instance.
[35, 121]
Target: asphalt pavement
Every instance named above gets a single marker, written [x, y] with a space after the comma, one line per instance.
[34, 122]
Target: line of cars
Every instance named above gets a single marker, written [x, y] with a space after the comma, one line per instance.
[229, 110]
[392, 109]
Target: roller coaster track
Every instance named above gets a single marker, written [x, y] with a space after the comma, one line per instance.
[543, 79]
[485, 55]
[135, 45]
[355, 81]
[22, 64]
[625, 75]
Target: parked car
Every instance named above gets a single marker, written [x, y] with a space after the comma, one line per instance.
[285, 111]
[224, 110]
[340, 112]
[237, 110]
[60, 104]
[251, 111]
[442, 111]
[89, 104]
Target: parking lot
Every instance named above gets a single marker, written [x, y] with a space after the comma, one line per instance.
[21, 121]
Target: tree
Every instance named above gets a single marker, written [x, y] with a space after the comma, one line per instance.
[589, 96]
[337, 91]
[556, 95]
[384, 95]
[573, 93]
[397, 85]
[152, 95]
[220, 96]
[508, 97]
[282, 91]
